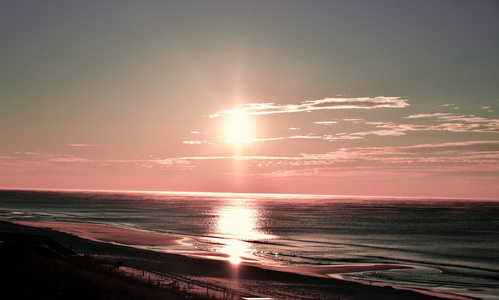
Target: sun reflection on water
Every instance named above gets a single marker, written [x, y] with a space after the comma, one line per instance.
[239, 223]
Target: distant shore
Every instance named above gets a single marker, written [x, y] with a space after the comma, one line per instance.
[251, 278]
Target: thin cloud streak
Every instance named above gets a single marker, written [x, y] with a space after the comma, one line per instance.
[448, 122]
[414, 153]
[306, 137]
[417, 116]
[68, 160]
[311, 105]
[82, 145]
[422, 152]
[254, 140]
[194, 142]
[327, 123]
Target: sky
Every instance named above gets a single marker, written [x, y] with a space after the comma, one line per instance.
[376, 98]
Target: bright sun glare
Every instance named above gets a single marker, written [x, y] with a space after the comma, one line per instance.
[238, 128]
[235, 260]
[237, 223]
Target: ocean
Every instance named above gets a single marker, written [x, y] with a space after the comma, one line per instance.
[452, 245]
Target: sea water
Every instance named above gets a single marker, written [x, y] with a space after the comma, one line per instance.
[452, 245]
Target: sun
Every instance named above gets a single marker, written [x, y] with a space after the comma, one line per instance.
[238, 128]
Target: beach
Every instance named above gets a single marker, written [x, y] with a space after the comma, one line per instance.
[251, 245]
[248, 278]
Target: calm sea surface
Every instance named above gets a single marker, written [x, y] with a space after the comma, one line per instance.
[452, 244]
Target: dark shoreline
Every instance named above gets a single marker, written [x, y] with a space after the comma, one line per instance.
[247, 279]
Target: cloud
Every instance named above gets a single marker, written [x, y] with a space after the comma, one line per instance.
[477, 154]
[439, 152]
[393, 132]
[452, 127]
[255, 140]
[29, 153]
[448, 122]
[365, 163]
[341, 136]
[68, 160]
[82, 145]
[57, 162]
[354, 120]
[305, 137]
[335, 121]
[327, 123]
[455, 146]
[417, 116]
[194, 142]
[455, 123]
[311, 105]
[399, 161]
[488, 108]
[248, 158]
[449, 105]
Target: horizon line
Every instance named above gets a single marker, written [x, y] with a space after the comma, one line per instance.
[241, 193]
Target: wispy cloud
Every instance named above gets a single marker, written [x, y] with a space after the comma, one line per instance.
[391, 132]
[457, 123]
[340, 137]
[336, 121]
[442, 152]
[447, 122]
[327, 123]
[9, 157]
[418, 116]
[194, 142]
[305, 137]
[68, 160]
[29, 153]
[436, 122]
[488, 108]
[477, 159]
[82, 145]
[449, 105]
[254, 139]
[455, 146]
[415, 160]
[311, 105]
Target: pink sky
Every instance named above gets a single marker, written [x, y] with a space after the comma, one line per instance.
[333, 98]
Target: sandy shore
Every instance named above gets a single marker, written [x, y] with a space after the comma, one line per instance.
[335, 269]
[103, 233]
[278, 282]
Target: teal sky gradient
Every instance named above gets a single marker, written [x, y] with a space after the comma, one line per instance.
[134, 95]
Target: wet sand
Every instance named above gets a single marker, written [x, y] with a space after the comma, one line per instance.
[103, 233]
[335, 269]
[248, 277]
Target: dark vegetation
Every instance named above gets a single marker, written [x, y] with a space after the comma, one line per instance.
[33, 270]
